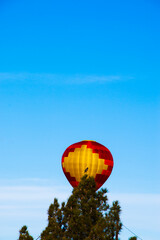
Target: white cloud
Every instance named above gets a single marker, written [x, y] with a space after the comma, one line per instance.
[82, 79]
[32, 193]
[25, 202]
[60, 78]
[137, 199]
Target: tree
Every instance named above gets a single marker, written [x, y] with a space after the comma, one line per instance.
[24, 235]
[86, 215]
[114, 224]
[56, 225]
[133, 238]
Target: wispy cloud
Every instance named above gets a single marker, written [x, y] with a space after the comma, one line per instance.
[83, 79]
[32, 193]
[61, 78]
[136, 198]
[25, 201]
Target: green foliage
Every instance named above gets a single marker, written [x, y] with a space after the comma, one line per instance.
[113, 221]
[56, 225]
[85, 216]
[133, 238]
[24, 235]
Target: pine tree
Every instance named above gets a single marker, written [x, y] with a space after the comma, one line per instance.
[56, 226]
[114, 224]
[85, 216]
[24, 235]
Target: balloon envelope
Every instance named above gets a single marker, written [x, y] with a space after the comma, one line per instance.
[87, 157]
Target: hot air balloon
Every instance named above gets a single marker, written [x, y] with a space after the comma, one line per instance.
[87, 157]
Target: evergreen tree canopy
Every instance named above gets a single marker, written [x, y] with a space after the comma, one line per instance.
[24, 235]
[86, 215]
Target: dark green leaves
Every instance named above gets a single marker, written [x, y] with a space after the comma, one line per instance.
[85, 216]
[24, 235]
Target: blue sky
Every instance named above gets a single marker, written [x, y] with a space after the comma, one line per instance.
[75, 70]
